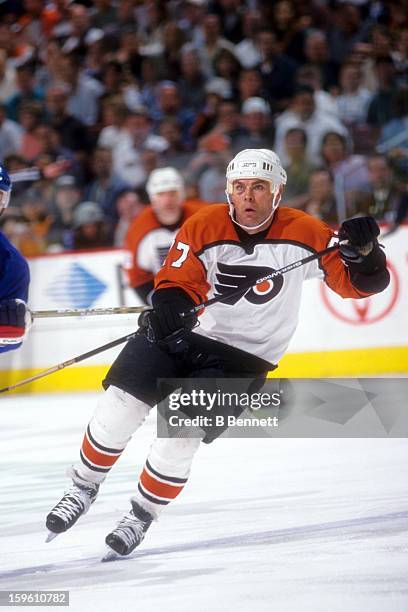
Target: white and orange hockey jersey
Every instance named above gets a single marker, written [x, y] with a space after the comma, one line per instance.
[209, 259]
[148, 242]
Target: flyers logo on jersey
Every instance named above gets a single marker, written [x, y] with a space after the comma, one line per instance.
[232, 277]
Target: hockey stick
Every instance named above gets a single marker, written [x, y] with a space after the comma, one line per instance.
[251, 283]
[214, 300]
[69, 362]
[86, 312]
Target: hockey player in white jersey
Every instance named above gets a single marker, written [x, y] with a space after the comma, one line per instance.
[216, 251]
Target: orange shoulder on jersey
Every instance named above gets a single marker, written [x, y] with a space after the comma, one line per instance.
[211, 225]
[299, 227]
[182, 267]
[139, 228]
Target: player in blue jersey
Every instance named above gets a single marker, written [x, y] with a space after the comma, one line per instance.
[14, 281]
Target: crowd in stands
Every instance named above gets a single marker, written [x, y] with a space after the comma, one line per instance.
[107, 90]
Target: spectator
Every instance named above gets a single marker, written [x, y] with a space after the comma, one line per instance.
[83, 103]
[128, 207]
[257, 124]
[310, 76]
[382, 197]
[347, 31]
[11, 134]
[39, 221]
[298, 169]
[211, 184]
[105, 187]
[290, 28]
[216, 91]
[114, 116]
[127, 162]
[51, 69]
[230, 15]
[73, 133]
[321, 201]
[354, 99]
[175, 154]
[250, 84]
[349, 171]
[246, 50]
[394, 136]
[78, 25]
[30, 116]
[212, 42]
[302, 113]
[90, 227]
[399, 57]
[169, 106]
[380, 109]
[191, 21]
[277, 70]
[192, 82]
[173, 40]
[49, 142]
[317, 54]
[226, 66]
[228, 121]
[8, 79]
[26, 92]
[65, 199]
[128, 53]
[104, 14]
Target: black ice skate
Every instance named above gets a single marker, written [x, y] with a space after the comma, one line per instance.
[75, 502]
[129, 532]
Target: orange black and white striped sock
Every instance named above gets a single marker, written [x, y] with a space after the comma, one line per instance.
[96, 458]
[158, 488]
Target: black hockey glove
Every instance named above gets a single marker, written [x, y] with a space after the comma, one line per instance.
[164, 324]
[363, 255]
[361, 234]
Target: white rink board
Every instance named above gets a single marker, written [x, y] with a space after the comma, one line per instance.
[94, 280]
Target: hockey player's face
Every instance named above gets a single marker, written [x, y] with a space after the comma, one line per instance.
[252, 201]
[167, 206]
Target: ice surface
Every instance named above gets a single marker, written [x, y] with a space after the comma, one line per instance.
[282, 525]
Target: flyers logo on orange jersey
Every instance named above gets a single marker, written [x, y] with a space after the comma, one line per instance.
[230, 278]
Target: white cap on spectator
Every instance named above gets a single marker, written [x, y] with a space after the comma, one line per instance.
[219, 86]
[255, 105]
[93, 35]
[87, 212]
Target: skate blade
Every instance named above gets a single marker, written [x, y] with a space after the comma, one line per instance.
[51, 535]
[111, 555]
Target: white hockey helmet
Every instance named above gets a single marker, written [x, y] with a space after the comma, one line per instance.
[261, 164]
[164, 179]
[256, 163]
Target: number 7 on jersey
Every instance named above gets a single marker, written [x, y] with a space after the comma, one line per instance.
[184, 248]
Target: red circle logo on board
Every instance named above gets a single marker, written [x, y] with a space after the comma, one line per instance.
[367, 310]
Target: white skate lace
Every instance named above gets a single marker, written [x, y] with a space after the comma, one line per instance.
[74, 499]
[130, 529]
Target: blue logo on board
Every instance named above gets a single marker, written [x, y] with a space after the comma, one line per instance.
[76, 288]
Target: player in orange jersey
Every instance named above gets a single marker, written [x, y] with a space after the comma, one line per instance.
[243, 335]
[152, 232]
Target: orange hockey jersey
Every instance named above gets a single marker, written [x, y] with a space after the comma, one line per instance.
[148, 242]
[208, 259]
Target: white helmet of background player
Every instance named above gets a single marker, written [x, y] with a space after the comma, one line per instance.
[261, 164]
[165, 179]
[5, 188]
